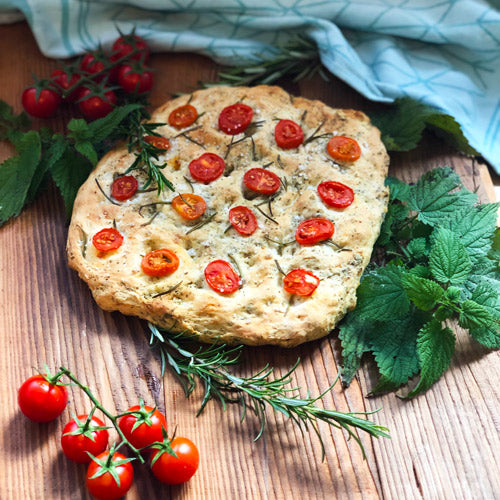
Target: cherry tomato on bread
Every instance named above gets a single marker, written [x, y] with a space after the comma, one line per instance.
[261, 181]
[300, 282]
[124, 187]
[221, 277]
[189, 206]
[288, 134]
[183, 116]
[235, 119]
[335, 194]
[345, 149]
[158, 142]
[161, 262]
[207, 168]
[312, 231]
[243, 220]
[40, 400]
[107, 239]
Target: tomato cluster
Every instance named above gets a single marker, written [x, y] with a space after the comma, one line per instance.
[85, 439]
[96, 82]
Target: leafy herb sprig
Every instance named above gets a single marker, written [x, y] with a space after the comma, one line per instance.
[211, 366]
[437, 259]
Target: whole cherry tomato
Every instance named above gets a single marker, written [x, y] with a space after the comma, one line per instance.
[235, 119]
[93, 63]
[41, 103]
[189, 206]
[125, 44]
[176, 470]
[312, 231]
[243, 220]
[124, 187]
[161, 262]
[96, 105]
[343, 148]
[261, 181]
[40, 400]
[134, 80]
[107, 239]
[144, 427]
[81, 435]
[335, 194]
[221, 277]
[63, 81]
[101, 483]
[300, 282]
[183, 116]
[288, 134]
[207, 167]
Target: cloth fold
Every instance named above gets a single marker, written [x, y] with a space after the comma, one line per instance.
[445, 53]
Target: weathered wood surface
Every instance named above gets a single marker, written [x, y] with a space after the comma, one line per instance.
[445, 444]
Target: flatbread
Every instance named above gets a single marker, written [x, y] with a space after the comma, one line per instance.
[260, 311]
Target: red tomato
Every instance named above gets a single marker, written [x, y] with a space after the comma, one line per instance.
[40, 400]
[176, 470]
[134, 81]
[343, 148]
[107, 239]
[144, 428]
[158, 142]
[312, 231]
[288, 134]
[95, 106]
[93, 63]
[160, 262]
[124, 187]
[189, 206]
[243, 220]
[261, 180]
[80, 437]
[40, 103]
[126, 44]
[235, 119]
[221, 277]
[207, 167]
[62, 81]
[183, 116]
[300, 282]
[104, 486]
[335, 194]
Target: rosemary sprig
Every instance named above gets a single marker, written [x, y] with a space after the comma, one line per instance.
[211, 365]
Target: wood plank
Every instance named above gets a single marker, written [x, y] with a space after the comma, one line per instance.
[444, 444]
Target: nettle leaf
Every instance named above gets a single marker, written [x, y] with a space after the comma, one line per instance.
[102, 128]
[86, 148]
[435, 348]
[10, 121]
[473, 315]
[489, 335]
[381, 295]
[422, 292]
[435, 196]
[398, 189]
[417, 248]
[396, 213]
[16, 175]
[448, 259]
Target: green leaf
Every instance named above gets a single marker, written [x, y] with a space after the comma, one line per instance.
[448, 260]
[79, 130]
[9, 121]
[396, 212]
[435, 347]
[381, 295]
[16, 174]
[473, 315]
[435, 196]
[102, 128]
[86, 148]
[422, 292]
[489, 335]
[398, 189]
[417, 248]
[69, 173]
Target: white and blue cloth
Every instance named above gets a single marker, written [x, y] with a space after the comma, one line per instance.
[445, 53]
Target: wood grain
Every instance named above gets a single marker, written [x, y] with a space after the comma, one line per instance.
[445, 444]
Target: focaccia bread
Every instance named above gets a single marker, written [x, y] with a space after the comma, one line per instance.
[257, 301]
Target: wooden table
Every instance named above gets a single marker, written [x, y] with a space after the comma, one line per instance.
[445, 444]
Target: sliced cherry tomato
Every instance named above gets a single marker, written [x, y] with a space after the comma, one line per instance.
[128, 43]
[63, 81]
[261, 180]
[41, 103]
[124, 187]
[235, 119]
[176, 470]
[312, 231]
[158, 142]
[207, 167]
[243, 220]
[135, 80]
[107, 239]
[144, 427]
[221, 277]
[81, 435]
[94, 63]
[160, 262]
[183, 116]
[189, 206]
[101, 483]
[94, 106]
[335, 194]
[300, 282]
[343, 148]
[288, 134]
[40, 400]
